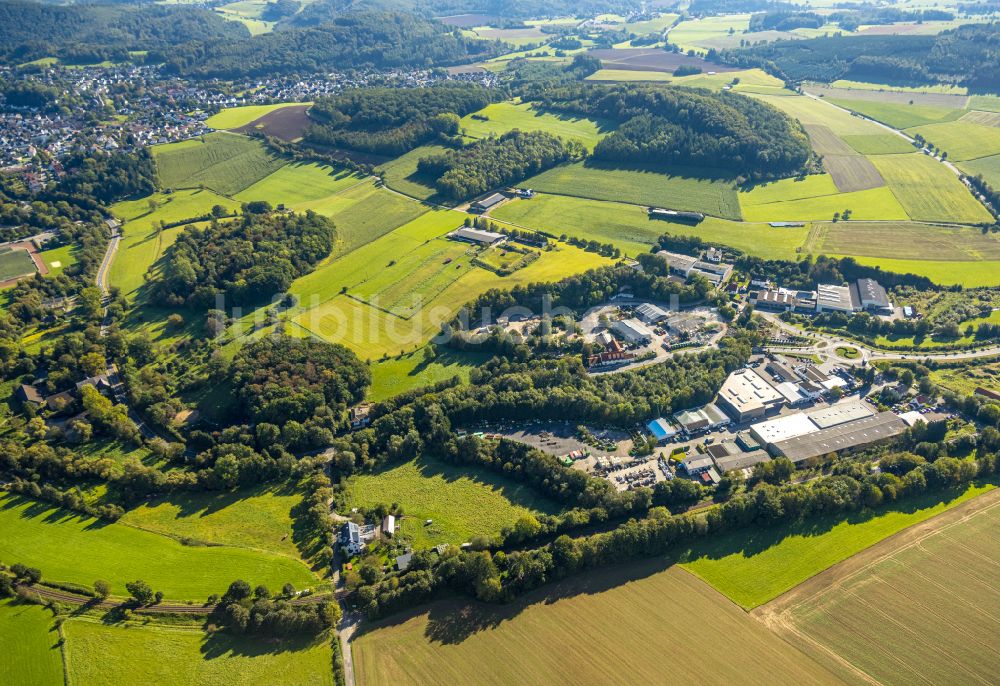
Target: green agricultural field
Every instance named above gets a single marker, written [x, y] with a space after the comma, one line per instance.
[400, 374]
[811, 186]
[900, 115]
[989, 103]
[39, 535]
[463, 502]
[926, 602]
[364, 213]
[630, 75]
[299, 183]
[143, 243]
[505, 116]
[813, 111]
[968, 274]
[757, 566]
[401, 174]
[656, 25]
[929, 88]
[879, 144]
[962, 140]
[700, 34]
[139, 655]
[342, 317]
[223, 162]
[15, 263]
[872, 204]
[987, 167]
[629, 227]
[235, 117]
[927, 190]
[31, 655]
[681, 189]
[907, 241]
[641, 613]
[258, 518]
[983, 118]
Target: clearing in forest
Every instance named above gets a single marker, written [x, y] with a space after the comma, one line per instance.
[501, 117]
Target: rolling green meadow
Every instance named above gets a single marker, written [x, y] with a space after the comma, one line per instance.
[401, 174]
[296, 184]
[138, 655]
[899, 115]
[31, 655]
[406, 372]
[223, 162]
[235, 117]
[753, 567]
[962, 140]
[927, 190]
[505, 116]
[40, 535]
[462, 502]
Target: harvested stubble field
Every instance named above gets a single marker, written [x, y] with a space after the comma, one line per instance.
[906, 241]
[592, 629]
[235, 117]
[651, 59]
[906, 101]
[285, 123]
[984, 118]
[920, 607]
[696, 190]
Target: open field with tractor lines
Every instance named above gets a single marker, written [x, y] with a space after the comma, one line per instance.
[927, 190]
[236, 117]
[30, 641]
[226, 163]
[506, 116]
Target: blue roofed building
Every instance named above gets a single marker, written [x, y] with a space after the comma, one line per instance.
[662, 430]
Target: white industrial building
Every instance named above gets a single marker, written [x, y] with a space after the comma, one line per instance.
[830, 298]
[633, 331]
[651, 314]
[745, 395]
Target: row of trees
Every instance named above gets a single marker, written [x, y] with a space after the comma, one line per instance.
[244, 610]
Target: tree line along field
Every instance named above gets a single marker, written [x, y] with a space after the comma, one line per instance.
[695, 190]
[224, 162]
[638, 622]
[920, 607]
[754, 568]
[40, 535]
[461, 502]
[135, 655]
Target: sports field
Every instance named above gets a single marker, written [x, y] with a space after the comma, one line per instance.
[753, 567]
[962, 140]
[257, 518]
[463, 502]
[235, 117]
[630, 228]
[505, 116]
[39, 535]
[927, 190]
[57, 259]
[298, 183]
[137, 655]
[143, 243]
[31, 655]
[15, 263]
[641, 620]
[920, 608]
[226, 163]
[696, 190]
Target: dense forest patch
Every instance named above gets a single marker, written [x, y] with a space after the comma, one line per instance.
[248, 260]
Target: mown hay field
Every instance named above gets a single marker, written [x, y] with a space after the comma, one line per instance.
[879, 144]
[919, 609]
[297, 183]
[928, 190]
[631, 624]
[506, 116]
[462, 502]
[900, 115]
[258, 518]
[629, 227]
[752, 568]
[987, 167]
[811, 111]
[968, 274]
[401, 173]
[41, 536]
[134, 655]
[962, 140]
[696, 190]
[30, 643]
[226, 163]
